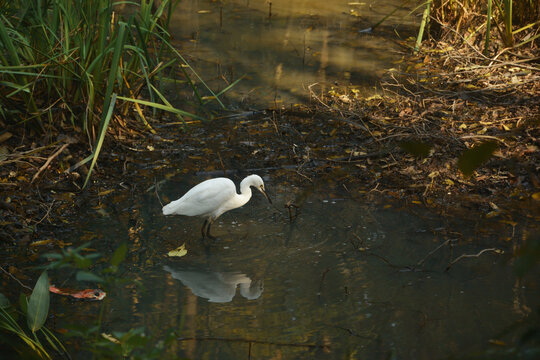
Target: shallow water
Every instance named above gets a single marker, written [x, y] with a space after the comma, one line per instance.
[272, 288]
[339, 281]
[303, 45]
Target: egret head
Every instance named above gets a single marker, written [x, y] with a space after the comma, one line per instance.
[257, 182]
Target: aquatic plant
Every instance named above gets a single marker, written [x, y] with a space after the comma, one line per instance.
[35, 308]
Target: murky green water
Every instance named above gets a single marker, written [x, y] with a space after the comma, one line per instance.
[303, 47]
[302, 289]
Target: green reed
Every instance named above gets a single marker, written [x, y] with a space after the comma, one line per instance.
[61, 61]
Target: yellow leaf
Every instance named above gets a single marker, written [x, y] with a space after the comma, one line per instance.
[178, 252]
[536, 196]
[110, 338]
[105, 192]
[41, 242]
[449, 182]
[416, 202]
[483, 131]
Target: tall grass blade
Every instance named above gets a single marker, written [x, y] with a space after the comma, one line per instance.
[113, 71]
[425, 19]
[508, 36]
[168, 108]
[488, 26]
[8, 44]
[101, 136]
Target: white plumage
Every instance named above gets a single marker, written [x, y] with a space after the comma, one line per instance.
[213, 197]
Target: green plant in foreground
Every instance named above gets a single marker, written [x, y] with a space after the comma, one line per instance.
[131, 344]
[35, 308]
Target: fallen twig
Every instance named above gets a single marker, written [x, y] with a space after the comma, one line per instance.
[51, 158]
[46, 214]
[14, 278]
[433, 251]
[156, 185]
[495, 250]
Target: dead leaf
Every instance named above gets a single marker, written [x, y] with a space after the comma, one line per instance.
[178, 252]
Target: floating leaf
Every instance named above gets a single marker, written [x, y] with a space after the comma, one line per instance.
[38, 305]
[476, 156]
[179, 252]
[416, 148]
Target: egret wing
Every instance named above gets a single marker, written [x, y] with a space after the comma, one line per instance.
[203, 199]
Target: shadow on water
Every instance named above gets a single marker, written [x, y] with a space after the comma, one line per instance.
[270, 287]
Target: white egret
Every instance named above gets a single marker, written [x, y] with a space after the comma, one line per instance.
[213, 197]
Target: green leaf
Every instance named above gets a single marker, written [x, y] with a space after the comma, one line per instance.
[119, 255]
[472, 158]
[4, 301]
[416, 148]
[38, 305]
[88, 276]
[82, 262]
[23, 303]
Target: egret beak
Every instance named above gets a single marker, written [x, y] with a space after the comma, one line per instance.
[265, 195]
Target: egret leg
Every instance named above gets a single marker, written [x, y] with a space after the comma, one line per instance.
[208, 235]
[205, 230]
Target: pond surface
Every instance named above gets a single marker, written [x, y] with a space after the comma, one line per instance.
[292, 49]
[344, 278]
[334, 283]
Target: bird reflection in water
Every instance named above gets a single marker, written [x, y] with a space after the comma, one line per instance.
[219, 287]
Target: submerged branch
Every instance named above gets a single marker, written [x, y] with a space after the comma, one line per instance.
[495, 250]
[252, 341]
